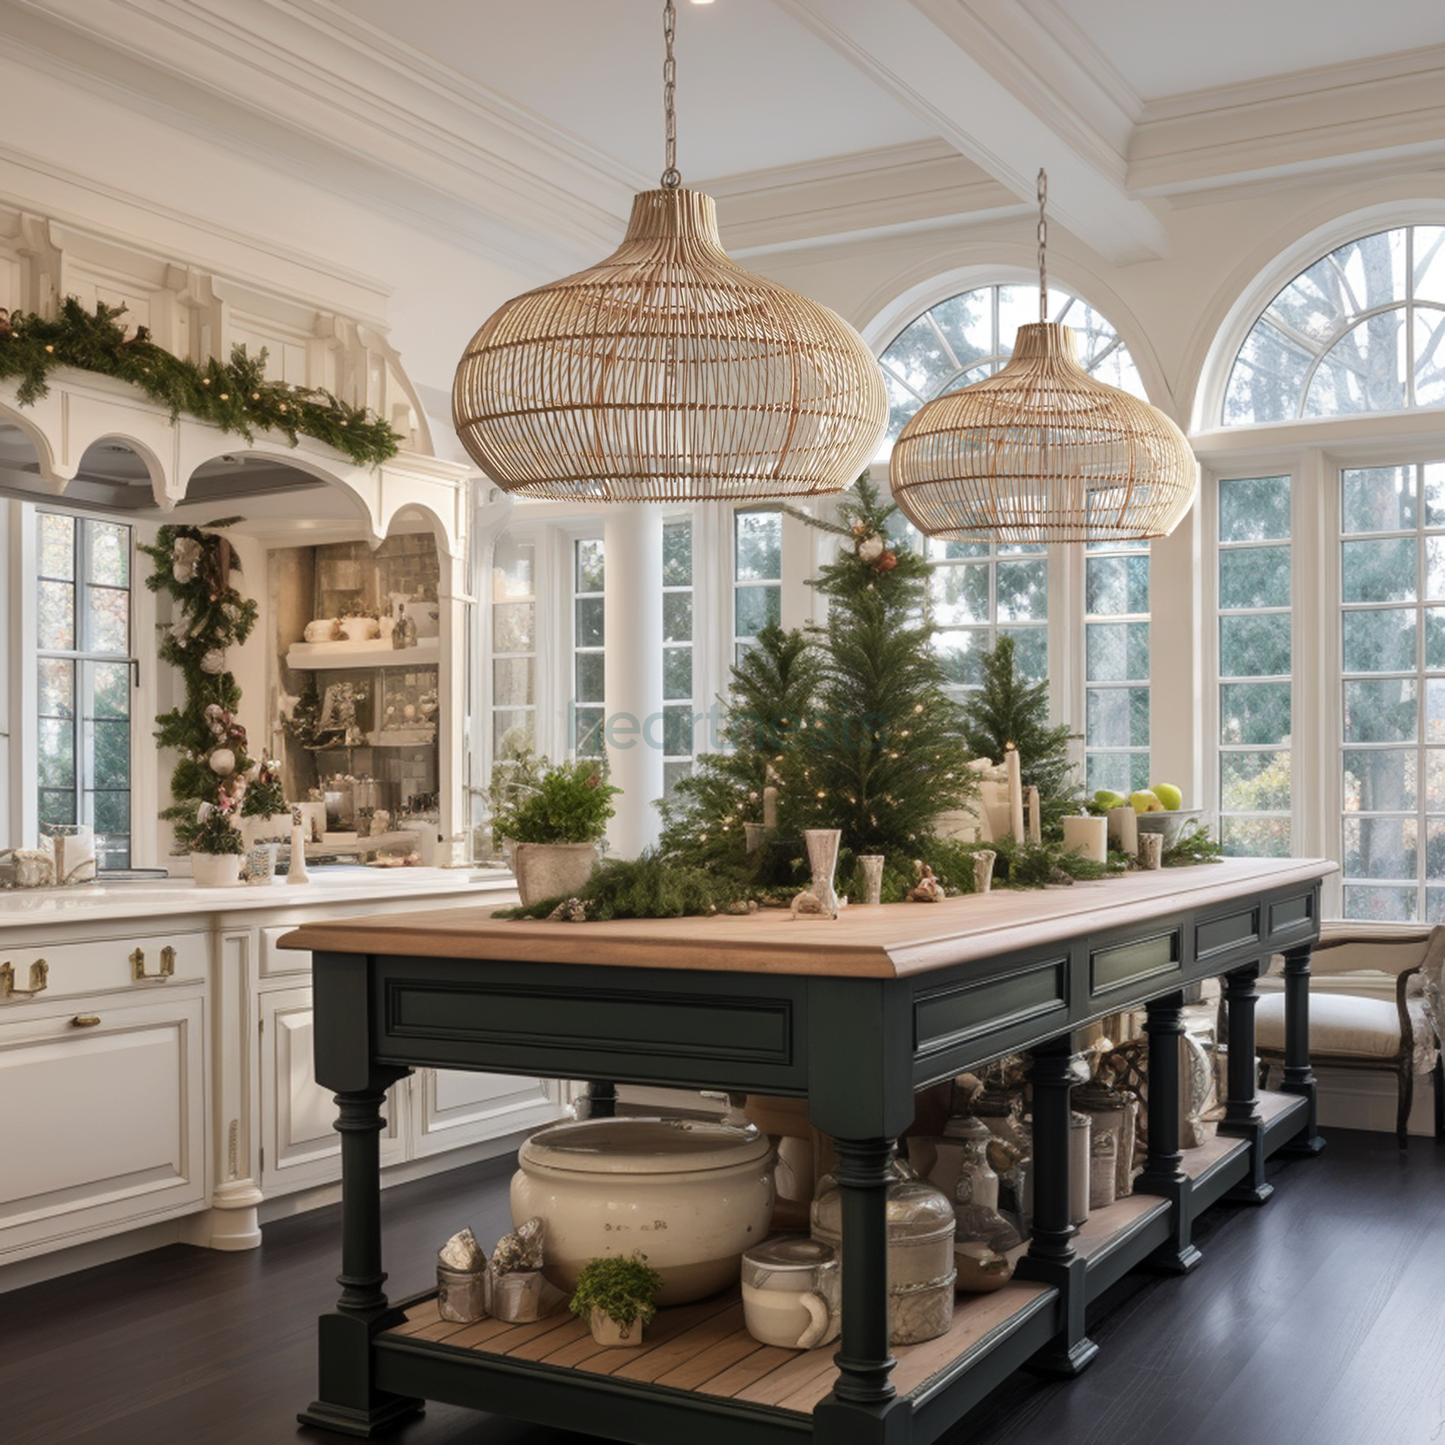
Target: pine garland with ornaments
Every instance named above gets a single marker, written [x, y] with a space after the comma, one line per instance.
[233, 395]
[193, 566]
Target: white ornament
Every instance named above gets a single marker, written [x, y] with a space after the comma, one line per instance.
[214, 661]
[870, 549]
[186, 558]
[223, 762]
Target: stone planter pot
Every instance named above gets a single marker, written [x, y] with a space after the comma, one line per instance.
[607, 1331]
[690, 1194]
[551, 870]
[216, 870]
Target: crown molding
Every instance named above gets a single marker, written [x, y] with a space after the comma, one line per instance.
[1329, 118]
[298, 85]
[922, 53]
[922, 184]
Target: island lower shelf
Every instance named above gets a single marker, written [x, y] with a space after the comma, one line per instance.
[701, 1355]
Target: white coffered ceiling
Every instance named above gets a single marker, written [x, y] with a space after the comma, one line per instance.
[522, 129]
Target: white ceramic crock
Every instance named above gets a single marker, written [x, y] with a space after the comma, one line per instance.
[690, 1194]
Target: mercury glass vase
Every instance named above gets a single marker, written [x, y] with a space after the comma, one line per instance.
[823, 862]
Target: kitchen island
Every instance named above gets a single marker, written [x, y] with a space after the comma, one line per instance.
[855, 1016]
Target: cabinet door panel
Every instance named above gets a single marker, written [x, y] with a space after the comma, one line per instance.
[460, 1107]
[103, 1125]
[300, 1147]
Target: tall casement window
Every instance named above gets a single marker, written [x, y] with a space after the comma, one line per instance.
[514, 646]
[757, 575]
[589, 633]
[1362, 330]
[981, 590]
[1116, 666]
[1392, 651]
[83, 652]
[1255, 695]
[677, 654]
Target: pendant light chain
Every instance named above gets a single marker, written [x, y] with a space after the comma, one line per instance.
[671, 176]
[1043, 247]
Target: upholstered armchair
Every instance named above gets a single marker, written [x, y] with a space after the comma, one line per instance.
[1352, 1031]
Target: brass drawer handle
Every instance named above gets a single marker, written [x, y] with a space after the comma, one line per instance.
[39, 977]
[85, 1021]
[138, 972]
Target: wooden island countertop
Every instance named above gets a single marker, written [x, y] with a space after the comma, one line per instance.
[890, 941]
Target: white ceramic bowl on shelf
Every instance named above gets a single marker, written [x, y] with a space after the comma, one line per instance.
[690, 1194]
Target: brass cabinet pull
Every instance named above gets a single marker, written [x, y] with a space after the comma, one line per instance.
[85, 1021]
[138, 972]
[39, 977]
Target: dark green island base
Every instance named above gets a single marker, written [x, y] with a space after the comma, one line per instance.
[855, 1016]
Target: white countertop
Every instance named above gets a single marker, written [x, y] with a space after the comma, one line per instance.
[180, 896]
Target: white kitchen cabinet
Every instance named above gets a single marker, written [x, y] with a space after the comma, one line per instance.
[104, 1119]
[190, 1102]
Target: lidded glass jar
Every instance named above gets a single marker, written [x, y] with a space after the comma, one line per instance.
[920, 1225]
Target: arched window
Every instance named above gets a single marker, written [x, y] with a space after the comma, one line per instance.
[970, 336]
[1362, 330]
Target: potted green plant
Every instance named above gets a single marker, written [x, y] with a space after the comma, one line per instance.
[553, 817]
[614, 1295]
[215, 845]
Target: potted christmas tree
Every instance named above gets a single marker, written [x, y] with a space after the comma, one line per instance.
[265, 813]
[553, 817]
[615, 1296]
[215, 845]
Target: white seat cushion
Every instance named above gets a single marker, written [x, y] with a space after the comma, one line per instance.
[1365, 1028]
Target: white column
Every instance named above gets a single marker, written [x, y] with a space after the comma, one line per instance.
[1177, 703]
[633, 672]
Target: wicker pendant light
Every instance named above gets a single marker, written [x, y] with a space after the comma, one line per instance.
[668, 373]
[1042, 452]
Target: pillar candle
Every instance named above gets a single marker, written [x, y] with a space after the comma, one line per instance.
[297, 873]
[770, 807]
[1015, 793]
[1088, 836]
[1035, 823]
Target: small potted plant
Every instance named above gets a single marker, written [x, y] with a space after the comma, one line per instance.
[614, 1295]
[553, 817]
[215, 845]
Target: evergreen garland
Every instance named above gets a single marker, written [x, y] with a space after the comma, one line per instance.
[193, 567]
[1009, 710]
[234, 396]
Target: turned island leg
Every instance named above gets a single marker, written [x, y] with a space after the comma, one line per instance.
[1052, 1258]
[1241, 1109]
[1298, 1077]
[348, 1401]
[1164, 1169]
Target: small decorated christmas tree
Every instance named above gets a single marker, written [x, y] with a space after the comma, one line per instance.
[882, 755]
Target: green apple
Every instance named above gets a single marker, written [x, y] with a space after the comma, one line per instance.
[1145, 802]
[1104, 799]
[1169, 795]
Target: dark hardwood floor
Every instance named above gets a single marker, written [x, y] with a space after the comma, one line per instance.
[1316, 1320]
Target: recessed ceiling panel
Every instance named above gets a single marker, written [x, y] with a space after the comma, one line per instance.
[754, 88]
[1167, 49]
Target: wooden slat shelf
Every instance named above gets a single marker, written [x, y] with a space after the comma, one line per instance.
[704, 1348]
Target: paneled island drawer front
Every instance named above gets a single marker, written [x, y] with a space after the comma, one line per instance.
[745, 1034]
[131, 960]
[1123, 965]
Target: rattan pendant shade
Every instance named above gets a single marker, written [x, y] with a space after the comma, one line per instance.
[1042, 452]
[667, 374]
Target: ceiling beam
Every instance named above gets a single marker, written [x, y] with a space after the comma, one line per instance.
[926, 54]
